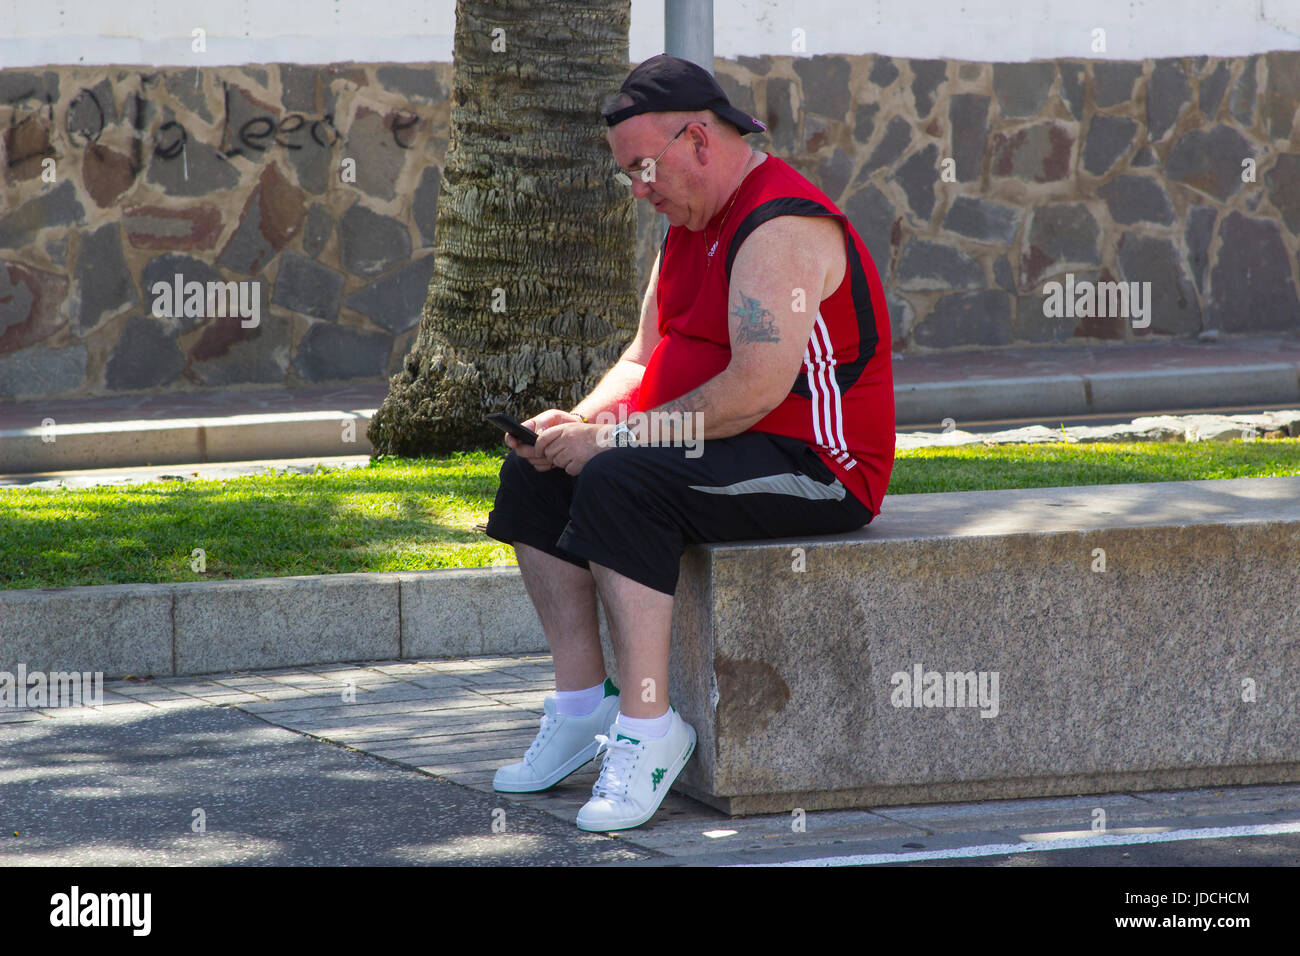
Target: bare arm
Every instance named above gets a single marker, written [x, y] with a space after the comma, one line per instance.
[618, 384]
[769, 331]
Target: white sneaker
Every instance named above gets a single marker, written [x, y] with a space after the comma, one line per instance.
[561, 747]
[635, 776]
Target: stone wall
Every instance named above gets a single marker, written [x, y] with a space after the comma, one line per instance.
[976, 184]
[973, 184]
[225, 174]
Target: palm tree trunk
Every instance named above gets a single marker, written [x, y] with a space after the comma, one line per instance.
[534, 289]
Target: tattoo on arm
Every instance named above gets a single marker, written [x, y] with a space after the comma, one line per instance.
[756, 323]
[692, 401]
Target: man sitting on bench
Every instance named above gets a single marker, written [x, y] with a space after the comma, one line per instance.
[764, 332]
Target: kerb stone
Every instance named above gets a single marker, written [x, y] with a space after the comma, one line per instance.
[459, 613]
[282, 622]
[118, 629]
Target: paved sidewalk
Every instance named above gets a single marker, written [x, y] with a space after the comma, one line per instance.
[391, 763]
[966, 386]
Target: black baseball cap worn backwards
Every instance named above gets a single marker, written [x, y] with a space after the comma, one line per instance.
[668, 84]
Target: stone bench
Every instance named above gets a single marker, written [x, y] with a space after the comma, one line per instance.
[1175, 666]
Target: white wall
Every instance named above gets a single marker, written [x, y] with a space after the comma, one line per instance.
[1009, 29]
[158, 32]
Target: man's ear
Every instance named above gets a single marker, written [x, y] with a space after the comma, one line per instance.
[704, 143]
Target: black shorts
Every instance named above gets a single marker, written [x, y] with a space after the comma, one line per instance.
[634, 510]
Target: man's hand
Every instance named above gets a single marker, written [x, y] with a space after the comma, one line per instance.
[530, 453]
[571, 445]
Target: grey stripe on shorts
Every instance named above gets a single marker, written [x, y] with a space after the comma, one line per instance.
[800, 486]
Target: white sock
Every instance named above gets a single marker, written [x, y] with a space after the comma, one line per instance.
[647, 726]
[579, 703]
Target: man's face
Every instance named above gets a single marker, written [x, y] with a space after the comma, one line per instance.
[669, 184]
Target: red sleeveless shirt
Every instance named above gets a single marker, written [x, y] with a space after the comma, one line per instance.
[842, 401]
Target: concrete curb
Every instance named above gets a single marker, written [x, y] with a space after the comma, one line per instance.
[1169, 388]
[184, 440]
[1096, 393]
[931, 402]
[206, 627]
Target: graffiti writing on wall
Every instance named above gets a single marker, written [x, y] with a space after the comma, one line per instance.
[86, 118]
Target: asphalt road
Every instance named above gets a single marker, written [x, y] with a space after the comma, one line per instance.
[130, 791]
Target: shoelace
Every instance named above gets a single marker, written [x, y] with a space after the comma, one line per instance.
[547, 726]
[616, 771]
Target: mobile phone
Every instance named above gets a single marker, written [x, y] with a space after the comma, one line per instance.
[512, 428]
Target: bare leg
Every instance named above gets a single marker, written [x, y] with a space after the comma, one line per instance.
[565, 598]
[641, 619]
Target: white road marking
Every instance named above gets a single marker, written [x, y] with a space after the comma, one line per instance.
[1076, 843]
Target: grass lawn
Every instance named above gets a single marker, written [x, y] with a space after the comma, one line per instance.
[414, 514]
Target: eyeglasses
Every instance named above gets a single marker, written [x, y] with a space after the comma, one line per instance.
[647, 172]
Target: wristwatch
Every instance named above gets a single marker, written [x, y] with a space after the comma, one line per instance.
[622, 436]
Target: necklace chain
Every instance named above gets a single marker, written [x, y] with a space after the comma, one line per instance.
[735, 193]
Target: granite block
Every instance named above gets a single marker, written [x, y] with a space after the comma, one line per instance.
[116, 629]
[457, 613]
[1127, 678]
[281, 622]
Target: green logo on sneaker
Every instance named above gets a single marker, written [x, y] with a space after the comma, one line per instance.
[657, 777]
[626, 737]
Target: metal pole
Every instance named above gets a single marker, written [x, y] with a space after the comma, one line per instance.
[688, 31]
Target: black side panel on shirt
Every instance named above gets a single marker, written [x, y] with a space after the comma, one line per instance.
[868, 339]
